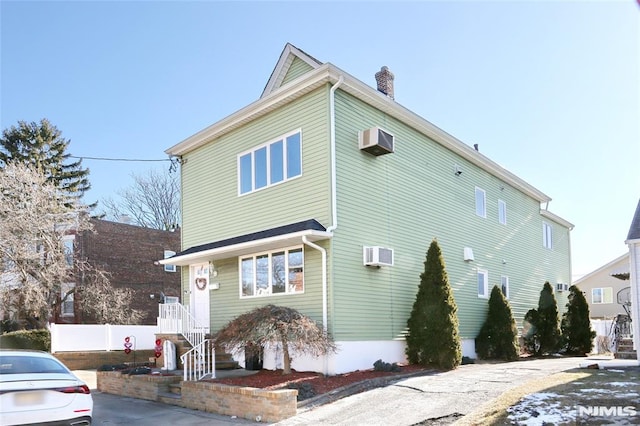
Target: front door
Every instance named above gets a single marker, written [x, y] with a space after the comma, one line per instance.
[199, 287]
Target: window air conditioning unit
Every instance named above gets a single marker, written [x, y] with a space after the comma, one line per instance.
[377, 256]
[376, 141]
[562, 287]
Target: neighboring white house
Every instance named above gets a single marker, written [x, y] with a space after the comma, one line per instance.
[601, 287]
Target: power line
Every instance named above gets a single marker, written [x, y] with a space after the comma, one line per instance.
[117, 159]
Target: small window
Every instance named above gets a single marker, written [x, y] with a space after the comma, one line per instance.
[275, 273]
[483, 283]
[504, 286]
[168, 254]
[66, 296]
[547, 235]
[602, 295]
[68, 250]
[502, 212]
[481, 202]
[271, 163]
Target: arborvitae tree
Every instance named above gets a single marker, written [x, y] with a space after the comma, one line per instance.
[577, 334]
[432, 337]
[42, 146]
[498, 337]
[543, 335]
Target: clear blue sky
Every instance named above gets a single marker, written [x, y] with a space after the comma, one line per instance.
[549, 90]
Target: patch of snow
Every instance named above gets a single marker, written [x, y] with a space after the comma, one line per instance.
[622, 384]
[539, 409]
[616, 371]
[593, 391]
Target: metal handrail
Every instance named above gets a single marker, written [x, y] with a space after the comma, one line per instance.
[175, 318]
[200, 361]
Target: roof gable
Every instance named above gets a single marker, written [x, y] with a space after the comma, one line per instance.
[292, 63]
[634, 230]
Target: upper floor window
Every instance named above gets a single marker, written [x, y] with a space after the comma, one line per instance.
[483, 283]
[66, 295]
[68, 249]
[502, 212]
[481, 202]
[602, 295]
[547, 235]
[272, 273]
[271, 163]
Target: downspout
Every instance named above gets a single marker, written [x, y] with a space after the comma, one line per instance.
[332, 117]
[323, 253]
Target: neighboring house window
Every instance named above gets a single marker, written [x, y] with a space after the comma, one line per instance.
[502, 212]
[68, 250]
[66, 310]
[602, 295]
[168, 254]
[547, 235]
[276, 272]
[483, 283]
[269, 164]
[504, 286]
[481, 202]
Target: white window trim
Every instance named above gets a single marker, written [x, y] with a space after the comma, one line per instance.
[486, 283]
[168, 254]
[504, 281]
[286, 250]
[547, 235]
[484, 201]
[602, 293]
[502, 212]
[253, 150]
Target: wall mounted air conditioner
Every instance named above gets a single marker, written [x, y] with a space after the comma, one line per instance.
[562, 287]
[376, 141]
[377, 256]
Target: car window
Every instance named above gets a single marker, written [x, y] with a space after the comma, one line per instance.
[27, 364]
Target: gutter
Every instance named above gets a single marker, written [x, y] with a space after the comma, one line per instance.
[332, 117]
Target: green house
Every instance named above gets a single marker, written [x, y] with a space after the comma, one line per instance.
[324, 195]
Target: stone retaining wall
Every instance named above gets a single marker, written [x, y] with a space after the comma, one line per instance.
[94, 359]
[248, 403]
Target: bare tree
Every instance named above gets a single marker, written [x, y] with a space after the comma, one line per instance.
[152, 201]
[35, 215]
[276, 324]
[104, 303]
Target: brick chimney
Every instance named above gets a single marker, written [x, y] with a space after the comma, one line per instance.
[384, 79]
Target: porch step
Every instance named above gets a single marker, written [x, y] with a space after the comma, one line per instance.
[626, 355]
[170, 398]
[175, 388]
[625, 349]
[224, 361]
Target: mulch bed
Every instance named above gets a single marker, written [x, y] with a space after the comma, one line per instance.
[310, 384]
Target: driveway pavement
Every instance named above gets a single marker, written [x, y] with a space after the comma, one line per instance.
[439, 398]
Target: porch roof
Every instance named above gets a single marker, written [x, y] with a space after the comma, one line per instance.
[268, 239]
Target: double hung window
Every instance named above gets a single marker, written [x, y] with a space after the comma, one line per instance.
[547, 235]
[481, 202]
[602, 295]
[483, 283]
[269, 164]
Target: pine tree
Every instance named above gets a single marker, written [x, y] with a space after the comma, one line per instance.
[543, 336]
[42, 146]
[498, 337]
[577, 334]
[432, 337]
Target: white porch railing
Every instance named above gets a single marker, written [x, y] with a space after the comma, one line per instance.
[200, 361]
[175, 318]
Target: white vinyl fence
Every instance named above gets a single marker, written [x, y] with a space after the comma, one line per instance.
[602, 342]
[100, 337]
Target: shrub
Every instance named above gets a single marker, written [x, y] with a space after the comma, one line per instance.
[543, 329]
[380, 365]
[432, 337]
[577, 335]
[305, 390]
[27, 339]
[498, 337]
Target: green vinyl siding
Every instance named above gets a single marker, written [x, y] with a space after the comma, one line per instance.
[298, 67]
[212, 208]
[404, 200]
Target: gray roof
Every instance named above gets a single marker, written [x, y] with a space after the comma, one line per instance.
[634, 231]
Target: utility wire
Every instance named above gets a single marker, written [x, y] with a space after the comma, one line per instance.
[116, 159]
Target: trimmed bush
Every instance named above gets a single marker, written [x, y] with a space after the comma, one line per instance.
[542, 325]
[433, 337]
[380, 365]
[577, 334]
[27, 339]
[498, 337]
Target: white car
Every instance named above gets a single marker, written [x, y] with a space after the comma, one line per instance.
[36, 388]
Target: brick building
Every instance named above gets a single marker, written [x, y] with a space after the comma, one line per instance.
[127, 252]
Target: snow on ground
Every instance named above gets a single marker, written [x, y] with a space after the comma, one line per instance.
[540, 409]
